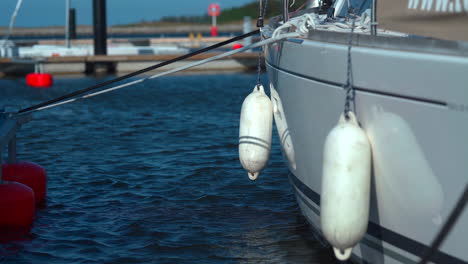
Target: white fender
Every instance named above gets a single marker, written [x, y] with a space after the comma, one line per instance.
[255, 132]
[282, 127]
[345, 186]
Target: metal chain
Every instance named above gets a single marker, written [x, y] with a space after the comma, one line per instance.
[263, 6]
[349, 87]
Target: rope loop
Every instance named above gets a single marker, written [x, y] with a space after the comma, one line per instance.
[303, 24]
[349, 87]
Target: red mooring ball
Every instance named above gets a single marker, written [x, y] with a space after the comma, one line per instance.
[29, 174]
[237, 46]
[16, 205]
[39, 80]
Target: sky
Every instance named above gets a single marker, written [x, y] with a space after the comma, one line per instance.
[36, 13]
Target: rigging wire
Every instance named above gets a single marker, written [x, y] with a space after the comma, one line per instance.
[445, 230]
[121, 78]
[197, 63]
[12, 22]
[300, 7]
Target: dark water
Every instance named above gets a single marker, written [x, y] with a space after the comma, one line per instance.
[150, 174]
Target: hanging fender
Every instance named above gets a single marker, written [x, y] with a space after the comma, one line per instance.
[255, 132]
[345, 195]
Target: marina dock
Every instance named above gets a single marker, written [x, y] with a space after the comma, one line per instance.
[124, 55]
[124, 63]
[162, 29]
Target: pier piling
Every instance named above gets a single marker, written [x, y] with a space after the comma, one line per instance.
[100, 36]
[72, 24]
[12, 150]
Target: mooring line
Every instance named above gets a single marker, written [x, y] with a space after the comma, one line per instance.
[191, 65]
[302, 25]
[121, 78]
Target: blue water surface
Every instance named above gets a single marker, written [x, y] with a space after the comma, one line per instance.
[150, 174]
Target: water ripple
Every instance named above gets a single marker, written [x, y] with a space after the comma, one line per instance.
[150, 174]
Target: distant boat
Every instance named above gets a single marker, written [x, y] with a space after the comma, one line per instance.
[88, 50]
[412, 102]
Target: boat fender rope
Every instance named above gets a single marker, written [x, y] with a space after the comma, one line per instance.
[262, 7]
[302, 24]
[349, 87]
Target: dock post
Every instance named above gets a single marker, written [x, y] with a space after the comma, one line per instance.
[374, 18]
[100, 27]
[100, 35]
[67, 23]
[72, 23]
[12, 150]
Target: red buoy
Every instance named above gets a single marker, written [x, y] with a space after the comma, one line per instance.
[237, 46]
[29, 174]
[16, 205]
[39, 80]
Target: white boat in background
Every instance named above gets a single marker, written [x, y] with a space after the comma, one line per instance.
[10, 50]
[40, 51]
[411, 99]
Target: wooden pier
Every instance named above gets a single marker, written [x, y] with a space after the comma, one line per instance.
[124, 64]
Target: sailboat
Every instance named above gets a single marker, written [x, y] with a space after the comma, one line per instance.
[407, 64]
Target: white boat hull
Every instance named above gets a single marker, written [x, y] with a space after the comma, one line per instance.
[414, 108]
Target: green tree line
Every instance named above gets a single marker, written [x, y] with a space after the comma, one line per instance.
[234, 14]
